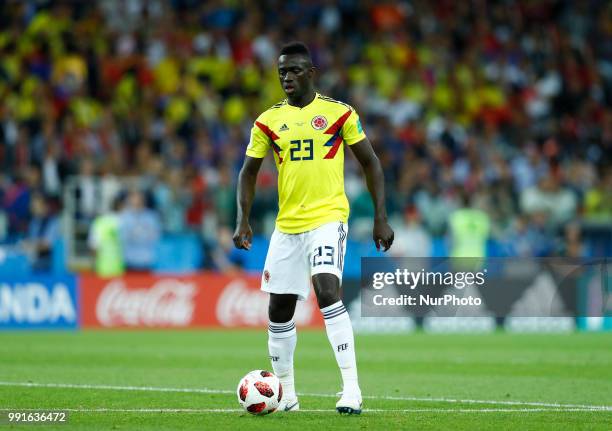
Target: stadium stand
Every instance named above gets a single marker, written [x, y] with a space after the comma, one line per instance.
[512, 106]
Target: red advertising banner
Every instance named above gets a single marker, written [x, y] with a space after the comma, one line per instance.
[165, 301]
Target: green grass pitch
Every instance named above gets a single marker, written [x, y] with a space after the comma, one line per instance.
[417, 381]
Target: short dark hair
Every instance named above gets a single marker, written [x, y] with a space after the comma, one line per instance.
[296, 47]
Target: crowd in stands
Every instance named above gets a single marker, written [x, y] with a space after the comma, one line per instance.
[503, 108]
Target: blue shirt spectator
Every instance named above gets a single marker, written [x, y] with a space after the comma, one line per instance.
[139, 229]
[43, 231]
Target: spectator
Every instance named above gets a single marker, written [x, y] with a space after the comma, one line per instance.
[87, 190]
[573, 245]
[435, 207]
[225, 197]
[528, 236]
[104, 241]
[411, 238]
[172, 199]
[549, 197]
[598, 201]
[139, 231]
[225, 257]
[469, 230]
[53, 170]
[43, 232]
[17, 198]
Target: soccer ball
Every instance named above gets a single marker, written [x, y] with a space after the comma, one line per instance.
[259, 392]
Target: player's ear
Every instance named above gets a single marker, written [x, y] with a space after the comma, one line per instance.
[311, 72]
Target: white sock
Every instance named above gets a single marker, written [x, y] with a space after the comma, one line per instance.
[282, 338]
[340, 334]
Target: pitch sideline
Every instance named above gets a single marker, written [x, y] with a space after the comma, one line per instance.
[578, 407]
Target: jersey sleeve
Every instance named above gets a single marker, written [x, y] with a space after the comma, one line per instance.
[352, 132]
[259, 143]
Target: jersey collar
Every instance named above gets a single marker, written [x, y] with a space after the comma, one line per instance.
[303, 107]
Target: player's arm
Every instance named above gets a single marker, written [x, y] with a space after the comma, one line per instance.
[246, 192]
[382, 233]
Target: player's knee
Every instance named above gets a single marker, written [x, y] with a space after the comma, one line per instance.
[327, 288]
[281, 309]
[279, 315]
[327, 295]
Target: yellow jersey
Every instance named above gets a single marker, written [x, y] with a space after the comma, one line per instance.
[309, 155]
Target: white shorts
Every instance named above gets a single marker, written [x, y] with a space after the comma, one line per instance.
[294, 258]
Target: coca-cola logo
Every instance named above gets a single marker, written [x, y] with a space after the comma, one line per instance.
[168, 302]
[240, 305]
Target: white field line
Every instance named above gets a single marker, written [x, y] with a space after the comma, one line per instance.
[117, 388]
[373, 397]
[195, 411]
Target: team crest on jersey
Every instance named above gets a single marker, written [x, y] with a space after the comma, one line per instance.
[319, 122]
[267, 276]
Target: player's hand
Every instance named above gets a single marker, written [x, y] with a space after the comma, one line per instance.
[243, 235]
[382, 235]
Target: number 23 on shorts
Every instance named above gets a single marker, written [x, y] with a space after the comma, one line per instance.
[323, 255]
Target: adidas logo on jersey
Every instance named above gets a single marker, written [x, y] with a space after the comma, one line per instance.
[283, 128]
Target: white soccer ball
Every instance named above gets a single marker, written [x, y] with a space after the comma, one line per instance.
[259, 392]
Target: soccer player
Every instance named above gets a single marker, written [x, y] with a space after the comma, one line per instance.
[306, 132]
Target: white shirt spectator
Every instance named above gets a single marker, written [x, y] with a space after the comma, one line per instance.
[548, 197]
